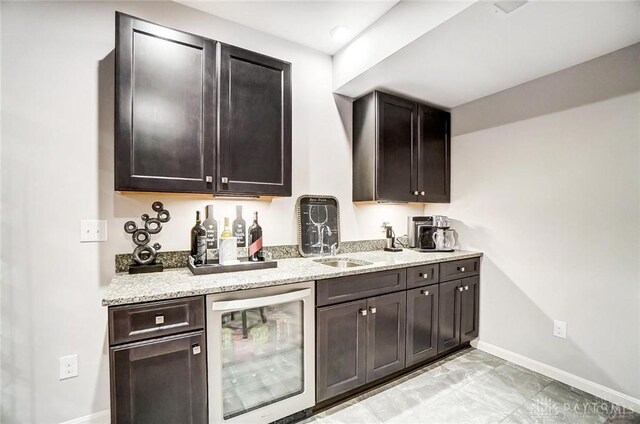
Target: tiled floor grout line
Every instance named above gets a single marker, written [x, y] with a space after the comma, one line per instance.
[527, 399]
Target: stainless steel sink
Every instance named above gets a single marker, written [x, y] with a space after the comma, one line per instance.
[342, 262]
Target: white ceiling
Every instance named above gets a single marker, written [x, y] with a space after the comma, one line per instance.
[481, 50]
[305, 22]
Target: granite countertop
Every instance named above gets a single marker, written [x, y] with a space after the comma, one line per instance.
[179, 282]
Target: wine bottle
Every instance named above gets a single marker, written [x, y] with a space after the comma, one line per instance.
[199, 242]
[255, 240]
[239, 228]
[227, 231]
[211, 226]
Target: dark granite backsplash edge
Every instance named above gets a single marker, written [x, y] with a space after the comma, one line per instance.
[178, 258]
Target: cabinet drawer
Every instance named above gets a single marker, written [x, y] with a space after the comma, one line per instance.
[422, 275]
[343, 289]
[459, 269]
[140, 322]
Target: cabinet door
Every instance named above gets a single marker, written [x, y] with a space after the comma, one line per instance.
[385, 334]
[448, 316]
[340, 361]
[165, 109]
[422, 324]
[469, 308]
[434, 158]
[160, 381]
[254, 148]
[396, 156]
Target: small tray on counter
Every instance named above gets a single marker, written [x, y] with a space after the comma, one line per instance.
[213, 267]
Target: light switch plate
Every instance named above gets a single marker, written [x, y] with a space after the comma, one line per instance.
[93, 230]
[560, 329]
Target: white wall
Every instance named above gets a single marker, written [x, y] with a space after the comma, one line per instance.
[546, 181]
[57, 168]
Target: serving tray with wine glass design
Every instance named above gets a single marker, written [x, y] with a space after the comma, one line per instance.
[318, 224]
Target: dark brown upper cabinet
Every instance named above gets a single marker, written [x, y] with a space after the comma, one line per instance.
[400, 150]
[188, 123]
[254, 148]
[434, 155]
[164, 109]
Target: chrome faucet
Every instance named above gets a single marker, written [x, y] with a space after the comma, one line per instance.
[334, 249]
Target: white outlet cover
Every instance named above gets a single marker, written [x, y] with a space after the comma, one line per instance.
[560, 329]
[93, 230]
[68, 367]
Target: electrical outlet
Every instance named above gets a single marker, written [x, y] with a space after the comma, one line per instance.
[93, 230]
[68, 366]
[560, 329]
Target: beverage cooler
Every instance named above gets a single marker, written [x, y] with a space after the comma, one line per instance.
[261, 346]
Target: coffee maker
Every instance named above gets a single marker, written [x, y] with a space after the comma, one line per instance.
[420, 230]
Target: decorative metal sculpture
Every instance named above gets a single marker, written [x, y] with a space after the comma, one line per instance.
[144, 255]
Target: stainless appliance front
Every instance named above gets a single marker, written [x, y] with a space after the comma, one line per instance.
[261, 353]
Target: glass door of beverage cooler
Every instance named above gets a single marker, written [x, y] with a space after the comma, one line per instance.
[261, 354]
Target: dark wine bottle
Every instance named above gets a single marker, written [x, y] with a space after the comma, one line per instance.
[255, 240]
[240, 228]
[211, 225]
[199, 242]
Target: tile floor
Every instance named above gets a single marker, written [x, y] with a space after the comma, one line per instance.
[475, 387]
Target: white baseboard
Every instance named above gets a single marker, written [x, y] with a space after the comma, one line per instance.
[102, 417]
[583, 384]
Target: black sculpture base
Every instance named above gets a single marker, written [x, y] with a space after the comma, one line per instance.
[143, 269]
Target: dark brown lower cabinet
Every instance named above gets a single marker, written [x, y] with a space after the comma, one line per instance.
[385, 335]
[448, 316]
[469, 308]
[161, 381]
[458, 321]
[340, 354]
[422, 324]
[359, 342]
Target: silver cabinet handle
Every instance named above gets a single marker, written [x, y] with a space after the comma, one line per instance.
[460, 289]
[362, 312]
[466, 287]
[372, 310]
[424, 292]
[208, 179]
[425, 276]
[159, 319]
[196, 349]
[422, 193]
[415, 193]
[461, 268]
[225, 180]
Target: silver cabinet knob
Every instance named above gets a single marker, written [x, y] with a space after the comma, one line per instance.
[208, 179]
[372, 310]
[362, 312]
[159, 319]
[196, 349]
[225, 180]
[425, 276]
[466, 287]
[461, 268]
[460, 289]
[415, 193]
[422, 193]
[424, 292]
